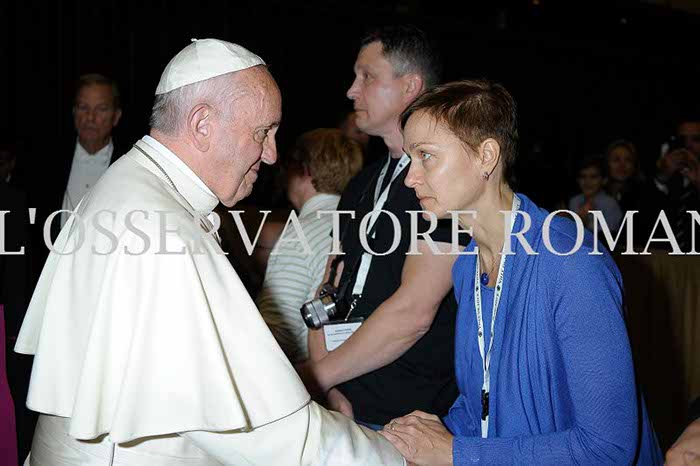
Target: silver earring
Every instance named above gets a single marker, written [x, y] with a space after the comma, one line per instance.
[486, 176]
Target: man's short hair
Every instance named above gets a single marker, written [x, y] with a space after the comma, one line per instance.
[171, 108]
[98, 79]
[474, 111]
[330, 157]
[408, 50]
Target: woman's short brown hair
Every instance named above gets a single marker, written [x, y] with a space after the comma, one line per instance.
[330, 157]
[474, 111]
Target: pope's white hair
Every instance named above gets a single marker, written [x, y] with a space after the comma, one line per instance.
[170, 110]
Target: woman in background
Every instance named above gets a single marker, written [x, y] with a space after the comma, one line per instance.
[625, 181]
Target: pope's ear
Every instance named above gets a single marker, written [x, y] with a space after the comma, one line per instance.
[199, 126]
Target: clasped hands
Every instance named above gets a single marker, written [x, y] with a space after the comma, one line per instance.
[421, 438]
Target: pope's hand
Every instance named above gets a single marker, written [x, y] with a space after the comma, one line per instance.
[338, 402]
[421, 438]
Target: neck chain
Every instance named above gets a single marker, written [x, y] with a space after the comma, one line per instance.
[203, 221]
[485, 276]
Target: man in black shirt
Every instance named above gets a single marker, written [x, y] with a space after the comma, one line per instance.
[401, 357]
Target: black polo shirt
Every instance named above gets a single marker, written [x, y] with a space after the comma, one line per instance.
[423, 377]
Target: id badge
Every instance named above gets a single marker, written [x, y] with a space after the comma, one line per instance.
[337, 333]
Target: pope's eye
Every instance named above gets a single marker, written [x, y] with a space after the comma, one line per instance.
[261, 135]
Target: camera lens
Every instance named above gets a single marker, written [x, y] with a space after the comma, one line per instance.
[316, 313]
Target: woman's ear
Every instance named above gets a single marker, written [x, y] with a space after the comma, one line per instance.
[490, 152]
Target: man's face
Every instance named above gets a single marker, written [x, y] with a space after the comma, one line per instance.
[248, 137]
[689, 132]
[378, 95]
[94, 114]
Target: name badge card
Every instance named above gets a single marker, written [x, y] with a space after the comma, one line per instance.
[337, 333]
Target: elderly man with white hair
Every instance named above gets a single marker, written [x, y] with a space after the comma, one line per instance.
[148, 349]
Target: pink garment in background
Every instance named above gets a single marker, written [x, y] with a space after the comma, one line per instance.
[8, 435]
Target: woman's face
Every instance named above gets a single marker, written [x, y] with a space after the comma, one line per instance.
[621, 163]
[444, 175]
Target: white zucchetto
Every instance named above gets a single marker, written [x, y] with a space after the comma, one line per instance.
[205, 59]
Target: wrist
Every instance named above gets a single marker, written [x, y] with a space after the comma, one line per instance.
[321, 370]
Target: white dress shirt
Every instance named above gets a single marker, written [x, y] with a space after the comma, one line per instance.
[84, 172]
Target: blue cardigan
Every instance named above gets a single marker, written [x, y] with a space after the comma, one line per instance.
[562, 380]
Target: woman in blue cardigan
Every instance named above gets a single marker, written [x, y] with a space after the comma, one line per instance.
[542, 356]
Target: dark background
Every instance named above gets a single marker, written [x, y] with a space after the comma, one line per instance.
[583, 73]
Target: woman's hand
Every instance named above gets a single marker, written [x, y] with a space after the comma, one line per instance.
[421, 438]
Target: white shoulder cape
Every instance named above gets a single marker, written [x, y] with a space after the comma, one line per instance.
[136, 345]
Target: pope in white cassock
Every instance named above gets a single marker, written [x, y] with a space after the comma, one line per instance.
[149, 350]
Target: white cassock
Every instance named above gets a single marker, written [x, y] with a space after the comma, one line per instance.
[155, 354]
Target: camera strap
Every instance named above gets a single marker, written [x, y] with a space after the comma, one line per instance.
[379, 201]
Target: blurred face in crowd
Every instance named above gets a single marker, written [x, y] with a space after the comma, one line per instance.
[590, 180]
[378, 95]
[351, 130]
[297, 184]
[689, 132]
[7, 164]
[246, 138]
[444, 175]
[95, 116]
[621, 163]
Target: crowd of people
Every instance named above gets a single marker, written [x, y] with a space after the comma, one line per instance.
[369, 324]
[615, 185]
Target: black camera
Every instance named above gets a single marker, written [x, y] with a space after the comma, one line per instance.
[328, 306]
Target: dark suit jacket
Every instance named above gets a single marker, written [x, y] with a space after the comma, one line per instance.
[46, 183]
[59, 188]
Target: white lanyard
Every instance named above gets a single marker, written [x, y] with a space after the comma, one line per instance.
[379, 200]
[486, 360]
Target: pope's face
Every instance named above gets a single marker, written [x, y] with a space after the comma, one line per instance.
[247, 137]
[443, 174]
[377, 94]
[94, 114]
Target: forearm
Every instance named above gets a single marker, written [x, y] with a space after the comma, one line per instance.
[311, 436]
[573, 446]
[317, 345]
[390, 331]
[397, 324]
